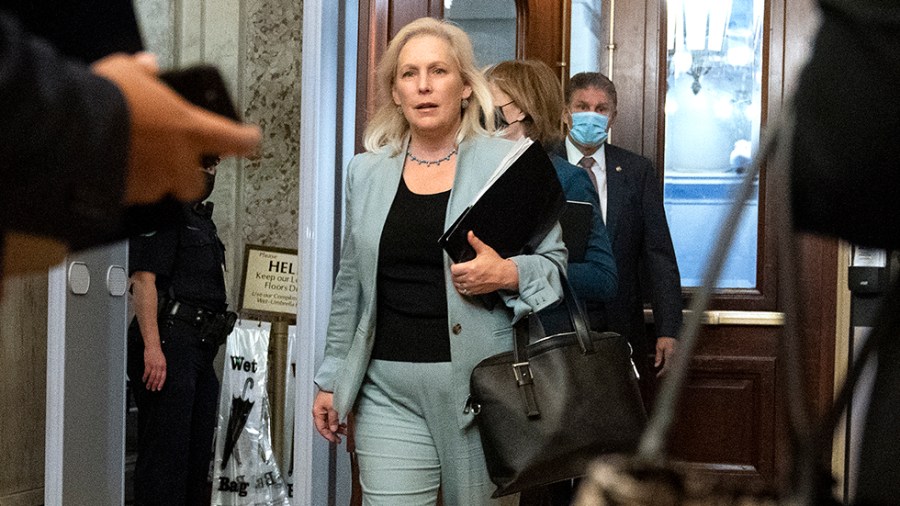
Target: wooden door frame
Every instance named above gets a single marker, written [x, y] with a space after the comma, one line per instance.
[817, 276]
[380, 20]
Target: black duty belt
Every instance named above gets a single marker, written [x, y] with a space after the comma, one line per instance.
[213, 327]
[188, 313]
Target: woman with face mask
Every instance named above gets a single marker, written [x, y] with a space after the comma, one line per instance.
[528, 101]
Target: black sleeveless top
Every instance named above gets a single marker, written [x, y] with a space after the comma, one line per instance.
[411, 318]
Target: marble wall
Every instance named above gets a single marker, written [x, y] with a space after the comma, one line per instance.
[272, 99]
[256, 44]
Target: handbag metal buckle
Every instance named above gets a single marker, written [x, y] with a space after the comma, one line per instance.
[522, 370]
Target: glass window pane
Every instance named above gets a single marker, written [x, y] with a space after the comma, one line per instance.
[712, 120]
[587, 19]
[490, 25]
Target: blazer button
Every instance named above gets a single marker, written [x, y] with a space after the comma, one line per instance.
[457, 328]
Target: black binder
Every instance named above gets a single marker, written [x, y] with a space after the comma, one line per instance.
[514, 213]
[576, 223]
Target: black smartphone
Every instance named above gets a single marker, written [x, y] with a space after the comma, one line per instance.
[202, 85]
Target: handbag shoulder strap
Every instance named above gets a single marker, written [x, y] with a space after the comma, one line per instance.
[577, 317]
[533, 329]
[523, 333]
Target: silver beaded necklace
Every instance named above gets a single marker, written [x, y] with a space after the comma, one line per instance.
[431, 162]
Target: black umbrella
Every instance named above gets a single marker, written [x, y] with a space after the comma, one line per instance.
[240, 411]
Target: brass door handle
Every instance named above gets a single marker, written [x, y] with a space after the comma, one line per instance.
[746, 318]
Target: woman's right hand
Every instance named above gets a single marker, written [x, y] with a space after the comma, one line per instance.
[486, 273]
[326, 418]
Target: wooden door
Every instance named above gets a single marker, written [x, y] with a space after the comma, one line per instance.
[732, 421]
[541, 34]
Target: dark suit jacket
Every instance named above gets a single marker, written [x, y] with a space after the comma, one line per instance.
[645, 259]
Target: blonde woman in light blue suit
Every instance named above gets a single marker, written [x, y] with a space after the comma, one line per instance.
[406, 327]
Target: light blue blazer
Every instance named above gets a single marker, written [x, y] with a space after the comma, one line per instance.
[475, 332]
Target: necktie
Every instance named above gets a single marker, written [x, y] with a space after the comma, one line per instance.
[587, 163]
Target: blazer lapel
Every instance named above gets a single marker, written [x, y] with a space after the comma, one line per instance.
[615, 191]
[382, 190]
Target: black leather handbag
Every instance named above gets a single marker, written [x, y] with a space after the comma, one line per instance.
[546, 409]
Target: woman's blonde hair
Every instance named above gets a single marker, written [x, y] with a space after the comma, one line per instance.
[388, 127]
[535, 89]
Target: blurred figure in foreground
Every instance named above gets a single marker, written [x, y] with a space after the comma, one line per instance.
[81, 144]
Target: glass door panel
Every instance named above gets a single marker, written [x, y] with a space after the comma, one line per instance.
[712, 123]
[587, 32]
[490, 25]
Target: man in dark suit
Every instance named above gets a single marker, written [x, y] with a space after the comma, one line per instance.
[631, 204]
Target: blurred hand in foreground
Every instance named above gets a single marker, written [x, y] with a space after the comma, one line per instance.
[169, 135]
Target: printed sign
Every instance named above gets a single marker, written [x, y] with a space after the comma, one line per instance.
[270, 284]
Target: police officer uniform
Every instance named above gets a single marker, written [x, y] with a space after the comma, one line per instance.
[176, 423]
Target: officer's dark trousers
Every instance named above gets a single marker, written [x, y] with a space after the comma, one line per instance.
[175, 424]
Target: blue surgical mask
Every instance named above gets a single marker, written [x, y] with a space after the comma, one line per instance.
[589, 128]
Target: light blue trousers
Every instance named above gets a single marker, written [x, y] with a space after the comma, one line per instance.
[409, 444]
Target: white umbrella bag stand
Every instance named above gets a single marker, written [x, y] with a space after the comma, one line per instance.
[245, 470]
